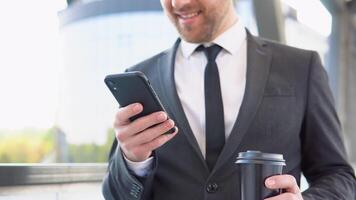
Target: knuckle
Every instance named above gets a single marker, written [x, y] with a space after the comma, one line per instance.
[120, 135]
[123, 114]
[117, 123]
[169, 124]
[119, 115]
[161, 128]
[125, 130]
[165, 126]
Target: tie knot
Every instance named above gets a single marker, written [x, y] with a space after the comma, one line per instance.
[210, 52]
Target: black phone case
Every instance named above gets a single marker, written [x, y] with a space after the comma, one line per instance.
[134, 87]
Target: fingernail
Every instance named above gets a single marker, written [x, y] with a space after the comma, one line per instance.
[271, 182]
[174, 132]
[161, 116]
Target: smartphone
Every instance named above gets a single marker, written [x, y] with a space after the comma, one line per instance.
[134, 87]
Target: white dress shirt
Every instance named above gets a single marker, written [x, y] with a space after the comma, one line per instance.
[189, 79]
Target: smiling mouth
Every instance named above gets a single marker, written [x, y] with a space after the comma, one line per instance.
[187, 16]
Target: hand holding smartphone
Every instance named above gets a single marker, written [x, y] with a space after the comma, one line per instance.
[140, 128]
[134, 87]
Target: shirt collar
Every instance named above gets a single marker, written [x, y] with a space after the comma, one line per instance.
[230, 40]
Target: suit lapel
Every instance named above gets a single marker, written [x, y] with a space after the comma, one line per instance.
[171, 98]
[258, 65]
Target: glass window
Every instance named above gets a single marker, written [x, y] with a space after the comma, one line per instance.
[92, 49]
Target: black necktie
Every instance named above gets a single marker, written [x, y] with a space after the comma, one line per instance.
[214, 110]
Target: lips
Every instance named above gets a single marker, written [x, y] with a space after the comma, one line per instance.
[188, 17]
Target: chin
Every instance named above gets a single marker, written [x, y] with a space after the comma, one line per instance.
[191, 36]
[197, 38]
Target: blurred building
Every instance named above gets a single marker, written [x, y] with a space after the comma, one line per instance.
[100, 38]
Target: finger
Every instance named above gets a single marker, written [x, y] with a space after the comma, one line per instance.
[124, 114]
[286, 182]
[159, 141]
[139, 125]
[150, 134]
[284, 196]
[145, 122]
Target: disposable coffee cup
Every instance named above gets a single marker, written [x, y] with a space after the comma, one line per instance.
[255, 168]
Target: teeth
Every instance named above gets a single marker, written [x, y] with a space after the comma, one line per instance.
[187, 16]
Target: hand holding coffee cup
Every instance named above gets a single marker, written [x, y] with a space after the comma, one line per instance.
[288, 184]
[258, 177]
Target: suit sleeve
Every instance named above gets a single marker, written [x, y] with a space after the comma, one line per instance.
[324, 160]
[120, 184]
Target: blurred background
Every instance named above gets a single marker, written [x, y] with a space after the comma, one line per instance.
[54, 105]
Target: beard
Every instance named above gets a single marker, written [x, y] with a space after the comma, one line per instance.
[212, 20]
[198, 33]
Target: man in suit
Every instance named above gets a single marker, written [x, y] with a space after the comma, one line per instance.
[227, 92]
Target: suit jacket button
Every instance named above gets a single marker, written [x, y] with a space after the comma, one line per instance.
[212, 187]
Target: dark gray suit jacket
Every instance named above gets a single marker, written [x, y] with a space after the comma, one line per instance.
[287, 109]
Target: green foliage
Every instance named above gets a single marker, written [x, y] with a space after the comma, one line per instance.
[35, 146]
[91, 152]
[25, 146]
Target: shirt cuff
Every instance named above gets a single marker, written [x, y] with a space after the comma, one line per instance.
[140, 169]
